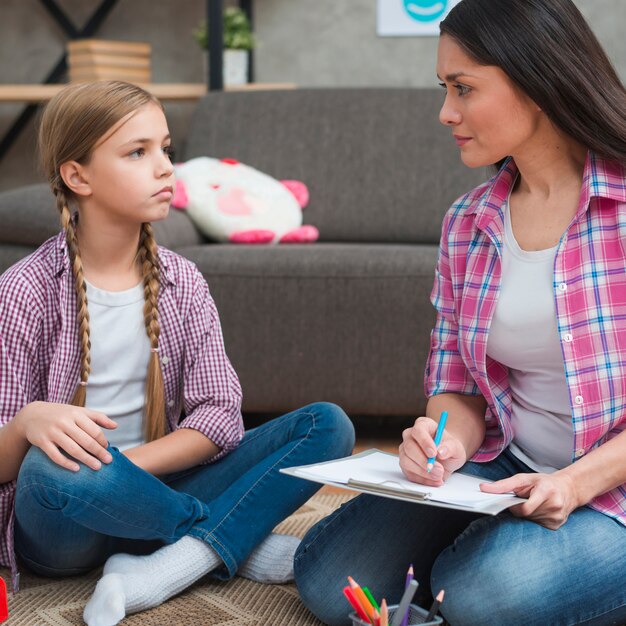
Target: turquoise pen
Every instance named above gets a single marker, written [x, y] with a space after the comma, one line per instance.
[438, 435]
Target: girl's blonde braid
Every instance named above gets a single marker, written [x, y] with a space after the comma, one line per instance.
[80, 286]
[155, 395]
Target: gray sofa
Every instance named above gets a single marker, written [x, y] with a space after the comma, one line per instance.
[346, 319]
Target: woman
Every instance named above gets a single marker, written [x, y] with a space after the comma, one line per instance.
[527, 355]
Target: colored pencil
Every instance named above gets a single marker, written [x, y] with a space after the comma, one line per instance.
[370, 597]
[362, 598]
[356, 605]
[384, 613]
[376, 618]
[435, 606]
[403, 607]
[442, 424]
[409, 578]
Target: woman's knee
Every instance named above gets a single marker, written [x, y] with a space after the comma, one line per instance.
[324, 600]
[334, 426]
[487, 579]
[333, 549]
[330, 608]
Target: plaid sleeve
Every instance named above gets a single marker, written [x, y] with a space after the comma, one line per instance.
[446, 371]
[20, 332]
[212, 393]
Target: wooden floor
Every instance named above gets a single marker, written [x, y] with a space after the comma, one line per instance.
[387, 445]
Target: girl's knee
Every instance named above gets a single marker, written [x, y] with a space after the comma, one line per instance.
[335, 427]
[37, 466]
[38, 470]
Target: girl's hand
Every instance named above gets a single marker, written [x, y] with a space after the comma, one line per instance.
[551, 497]
[75, 430]
[418, 445]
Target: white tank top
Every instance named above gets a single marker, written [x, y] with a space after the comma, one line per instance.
[120, 351]
[524, 337]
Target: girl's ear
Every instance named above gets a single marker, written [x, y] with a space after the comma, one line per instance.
[73, 175]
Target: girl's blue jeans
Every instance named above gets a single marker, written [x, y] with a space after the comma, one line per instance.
[500, 571]
[68, 523]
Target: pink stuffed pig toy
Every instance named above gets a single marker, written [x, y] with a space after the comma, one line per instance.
[230, 201]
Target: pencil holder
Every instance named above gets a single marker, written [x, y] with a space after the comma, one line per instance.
[417, 615]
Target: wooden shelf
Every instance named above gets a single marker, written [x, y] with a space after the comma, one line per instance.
[163, 91]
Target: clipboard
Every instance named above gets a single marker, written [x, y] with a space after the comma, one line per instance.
[378, 473]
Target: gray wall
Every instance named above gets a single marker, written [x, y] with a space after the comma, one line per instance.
[335, 43]
[321, 43]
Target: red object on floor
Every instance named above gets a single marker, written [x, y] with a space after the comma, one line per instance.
[4, 604]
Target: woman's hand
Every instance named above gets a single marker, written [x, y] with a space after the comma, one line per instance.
[71, 429]
[551, 497]
[418, 445]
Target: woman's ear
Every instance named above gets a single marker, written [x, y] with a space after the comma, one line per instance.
[73, 175]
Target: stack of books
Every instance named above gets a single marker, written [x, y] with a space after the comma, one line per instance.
[97, 59]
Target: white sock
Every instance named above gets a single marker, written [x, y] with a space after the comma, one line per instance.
[135, 583]
[272, 560]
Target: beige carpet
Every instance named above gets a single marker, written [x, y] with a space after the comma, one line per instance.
[239, 602]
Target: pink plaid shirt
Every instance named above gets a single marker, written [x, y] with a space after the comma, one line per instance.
[590, 296]
[40, 353]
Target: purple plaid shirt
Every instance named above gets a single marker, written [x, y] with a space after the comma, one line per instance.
[590, 297]
[40, 353]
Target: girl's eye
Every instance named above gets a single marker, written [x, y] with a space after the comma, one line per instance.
[169, 152]
[135, 154]
[443, 86]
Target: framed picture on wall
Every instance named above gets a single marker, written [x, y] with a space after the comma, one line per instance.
[406, 18]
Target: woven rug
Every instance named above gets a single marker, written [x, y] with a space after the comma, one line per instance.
[238, 602]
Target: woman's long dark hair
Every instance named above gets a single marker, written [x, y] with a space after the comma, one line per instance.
[547, 48]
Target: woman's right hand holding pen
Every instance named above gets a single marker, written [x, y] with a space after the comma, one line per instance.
[462, 436]
[64, 428]
[418, 445]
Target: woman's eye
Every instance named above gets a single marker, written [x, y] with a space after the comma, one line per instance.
[443, 86]
[462, 89]
[169, 152]
[135, 154]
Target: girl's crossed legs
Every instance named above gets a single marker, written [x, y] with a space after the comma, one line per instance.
[495, 570]
[69, 523]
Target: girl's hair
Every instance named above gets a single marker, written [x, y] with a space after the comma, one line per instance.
[72, 125]
[547, 48]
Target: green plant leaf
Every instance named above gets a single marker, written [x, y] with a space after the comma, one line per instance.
[237, 34]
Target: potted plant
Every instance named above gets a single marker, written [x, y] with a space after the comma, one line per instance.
[238, 39]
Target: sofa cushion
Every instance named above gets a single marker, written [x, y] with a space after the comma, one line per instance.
[11, 254]
[378, 164]
[28, 215]
[347, 323]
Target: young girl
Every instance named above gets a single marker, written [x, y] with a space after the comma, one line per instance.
[120, 412]
[528, 352]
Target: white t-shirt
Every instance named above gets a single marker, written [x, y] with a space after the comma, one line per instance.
[524, 337]
[120, 351]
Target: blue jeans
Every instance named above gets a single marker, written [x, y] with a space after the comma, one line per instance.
[497, 571]
[68, 523]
